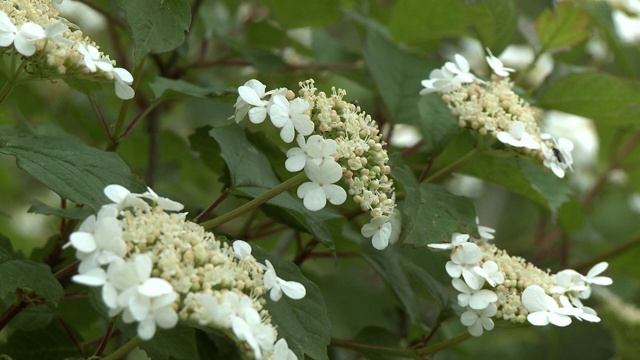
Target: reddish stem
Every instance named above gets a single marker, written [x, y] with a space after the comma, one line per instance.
[214, 205]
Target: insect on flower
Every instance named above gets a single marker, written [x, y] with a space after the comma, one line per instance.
[558, 154]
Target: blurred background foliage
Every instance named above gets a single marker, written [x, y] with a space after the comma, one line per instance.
[378, 50]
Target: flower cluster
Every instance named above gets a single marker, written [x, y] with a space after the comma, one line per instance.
[155, 268]
[51, 49]
[343, 143]
[492, 284]
[492, 107]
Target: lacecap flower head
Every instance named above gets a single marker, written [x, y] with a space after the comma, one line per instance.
[155, 268]
[34, 31]
[493, 285]
[336, 141]
[493, 108]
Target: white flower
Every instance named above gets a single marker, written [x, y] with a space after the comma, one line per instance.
[290, 117]
[249, 99]
[597, 269]
[221, 310]
[23, 38]
[449, 77]
[477, 320]
[582, 312]
[543, 309]
[486, 233]
[144, 299]
[8, 31]
[248, 327]
[53, 32]
[160, 313]
[439, 80]
[321, 187]
[281, 351]
[292, 289]
[242, 249]
[461, 70]
[490, 272]
[457, 239]
[380, 229]
[316, 148]
[497, 66]
[558, 158]
[164, 203]
[99, 240]
[475, 299]
[518, 136]
[93, 60]
[123, 79]
[124, 198]
[568, 281]
[466, 256]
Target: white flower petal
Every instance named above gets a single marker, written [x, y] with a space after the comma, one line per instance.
[93, 277]
[155, 287]
[147, 328]
[83, 241]
[166, 318]
[293, 289]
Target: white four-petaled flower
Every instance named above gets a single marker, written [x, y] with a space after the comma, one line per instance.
[497, 66]
[379, 229]
[22, 38]
[518, 136]
[290, 117]
[93, 60]
[477, 320]
[543, 309]
[315, 148]
[123, 80]
[321, 187]
[292, 289]
[558, 158]
[457, 239]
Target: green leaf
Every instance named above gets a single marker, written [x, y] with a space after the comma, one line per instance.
[314, 221]
[495, 22]
[32, 318]
[304, 323]
[388, 264]
[566, 26]
[378, 336]
[157, 26]
[38, 207]
[436, 124]
[164, 89]
[554, 190]
[6, 250]
[604, 98]
[247, 165]
[178, 342]
[295, 14]
[209, 152]
[72, 170]
[435, 215]
[409, 273]
[51, 342]
[397, 75]
[425, 23]
[431, 213]
[20, 274]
